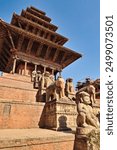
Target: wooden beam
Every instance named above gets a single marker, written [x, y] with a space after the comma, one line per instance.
[35, 67]
[27, 27]
[55, 38]
[27, 21]
[3, 59]
[10, 61]
[9, 33]
[11, 39]
[32, 11]
[5, 56]
[39, 49]
[20, 41]
[14, 65]
[33, 31]
[39, 32]
[7, 51]
[19, 24]
[1, 67]
[8, 43]
[37, 38]
[63, 57]
[25, 68]
[30, 43]
[37, 61]
[55, 55]
[51, 26]
[67, 62]
[48, 52]
[2, 64]
[40, 11]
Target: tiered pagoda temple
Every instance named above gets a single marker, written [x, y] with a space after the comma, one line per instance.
[30, 42]
[30, 45]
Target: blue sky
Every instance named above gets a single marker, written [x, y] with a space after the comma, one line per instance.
[78, 20]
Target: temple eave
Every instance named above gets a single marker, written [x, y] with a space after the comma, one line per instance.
[18, 19]
[30, 42]
[29, 15]
[38, 39]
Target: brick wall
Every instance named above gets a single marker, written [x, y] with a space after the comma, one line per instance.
[18, 102]
[15, 87]
[20, 115]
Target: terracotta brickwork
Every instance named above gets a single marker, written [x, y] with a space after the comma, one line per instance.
[16, 94]
[18, 106]
[17, 88]
[20, 115]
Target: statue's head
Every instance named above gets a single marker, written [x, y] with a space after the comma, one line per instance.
[47, 74]
[70, 80]
[52, 77]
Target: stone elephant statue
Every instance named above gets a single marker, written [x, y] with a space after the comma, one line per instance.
[55, 90]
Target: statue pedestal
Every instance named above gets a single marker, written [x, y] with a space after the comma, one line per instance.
[60, 115]
[86, 139]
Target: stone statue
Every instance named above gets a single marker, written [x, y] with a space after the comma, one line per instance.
[90, 89]
[37, 79]
[56, 90]
[86, 117]
[51, 92]
[33, 75]
[60, 85]
[69, 89]
[46, 80]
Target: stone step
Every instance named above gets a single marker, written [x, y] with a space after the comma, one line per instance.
[17, 77]
[18, 94]
[16, 81]
[36, 139]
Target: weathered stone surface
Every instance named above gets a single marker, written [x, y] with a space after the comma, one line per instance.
[60, 115]
[87, 139]
[87, 132]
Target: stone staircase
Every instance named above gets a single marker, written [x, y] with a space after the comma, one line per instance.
[14, 87]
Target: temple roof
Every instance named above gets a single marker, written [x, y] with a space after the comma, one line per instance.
[32, 37]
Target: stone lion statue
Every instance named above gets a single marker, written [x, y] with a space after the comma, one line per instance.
[46, 80]
[69, 89]
[86, 117]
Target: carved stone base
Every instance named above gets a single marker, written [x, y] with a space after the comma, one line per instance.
[83, 139]
[60, 115]
[81, 143]
[84, 131]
